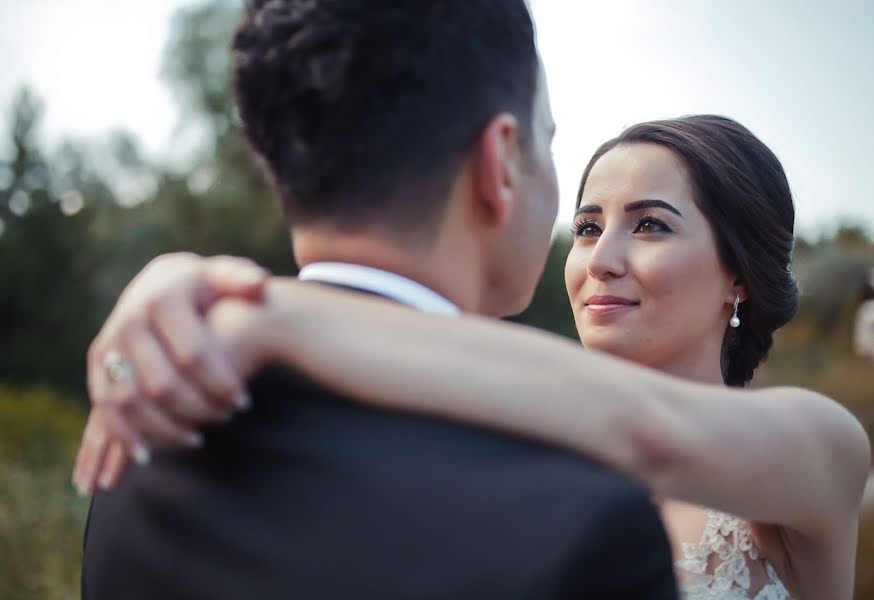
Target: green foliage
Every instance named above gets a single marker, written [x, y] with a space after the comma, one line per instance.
[40, 428]
[48, 258]
[197, 62]
[69, 242]
[550, 309]
[41, 517]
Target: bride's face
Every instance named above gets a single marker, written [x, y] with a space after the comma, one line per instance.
[643, 276]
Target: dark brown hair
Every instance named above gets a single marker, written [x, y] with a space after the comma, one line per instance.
[742, 190]
[363, 110]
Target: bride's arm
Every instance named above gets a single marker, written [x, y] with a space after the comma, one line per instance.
[783, 455]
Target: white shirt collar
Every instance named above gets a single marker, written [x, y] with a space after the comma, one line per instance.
[385, 283]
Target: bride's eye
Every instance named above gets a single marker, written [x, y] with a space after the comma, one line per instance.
[587, 229]
[651, 225]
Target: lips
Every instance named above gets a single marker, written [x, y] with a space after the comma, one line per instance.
[604, 305]
[608, 300]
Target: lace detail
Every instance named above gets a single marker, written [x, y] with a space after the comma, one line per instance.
[725, 543]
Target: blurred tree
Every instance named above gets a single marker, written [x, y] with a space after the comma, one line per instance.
[46, 301]
[830, 273]
[197, 62]
[222, 203]
[77, 224]
[852, 235]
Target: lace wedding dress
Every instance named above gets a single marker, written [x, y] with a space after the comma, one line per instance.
[717, 567]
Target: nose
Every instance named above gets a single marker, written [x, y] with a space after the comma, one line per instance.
[608, 257]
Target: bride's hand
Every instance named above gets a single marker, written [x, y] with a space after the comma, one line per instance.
[155, 369]
[237, 329]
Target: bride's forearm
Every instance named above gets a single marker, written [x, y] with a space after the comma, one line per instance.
[781, 456]
[477, 370]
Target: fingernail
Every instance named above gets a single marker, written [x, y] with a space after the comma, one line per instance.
[243, 400]
[142, 456]
[105, 482]
[195, 440]
[80, 489]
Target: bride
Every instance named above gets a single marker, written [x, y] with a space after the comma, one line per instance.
[683, 234]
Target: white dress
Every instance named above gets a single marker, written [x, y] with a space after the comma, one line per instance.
[717, 568]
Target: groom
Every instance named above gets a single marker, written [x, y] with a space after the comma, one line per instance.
[409, 143]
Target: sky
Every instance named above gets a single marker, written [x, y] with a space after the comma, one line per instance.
[798, 73]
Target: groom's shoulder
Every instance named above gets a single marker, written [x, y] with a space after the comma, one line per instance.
[307, 477]
[542, 490]
[294, 402]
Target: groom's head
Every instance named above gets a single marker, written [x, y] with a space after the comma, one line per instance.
[422, 123]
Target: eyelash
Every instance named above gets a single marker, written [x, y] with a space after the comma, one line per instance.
[578, 228]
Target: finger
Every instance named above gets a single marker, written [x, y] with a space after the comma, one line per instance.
[199, 358]
[92, 449]
[101, 389]
[161, 383]
[235, 276]
[153, 424]
[112, 398]
[125, 427]
[114, 466]
[97, 382]
[193, 408]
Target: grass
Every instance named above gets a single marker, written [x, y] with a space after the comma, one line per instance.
[41, 524]
[41, 516]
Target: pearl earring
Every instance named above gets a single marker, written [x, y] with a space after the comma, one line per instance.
[735, 320]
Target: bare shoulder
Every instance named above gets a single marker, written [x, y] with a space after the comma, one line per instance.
[840, 436]
[820, 563]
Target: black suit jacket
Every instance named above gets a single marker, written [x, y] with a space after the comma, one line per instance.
[310, 496]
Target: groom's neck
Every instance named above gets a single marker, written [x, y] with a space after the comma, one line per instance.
[449, 269]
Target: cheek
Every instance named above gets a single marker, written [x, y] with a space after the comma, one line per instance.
[682, 288]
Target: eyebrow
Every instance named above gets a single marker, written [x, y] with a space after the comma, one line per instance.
[631, 206]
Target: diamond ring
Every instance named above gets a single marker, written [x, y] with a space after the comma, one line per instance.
[118, 368]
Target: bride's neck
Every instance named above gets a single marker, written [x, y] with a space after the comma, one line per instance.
[703, 374]
[702, 366]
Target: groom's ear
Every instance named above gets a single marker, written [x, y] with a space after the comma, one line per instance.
[498, 170]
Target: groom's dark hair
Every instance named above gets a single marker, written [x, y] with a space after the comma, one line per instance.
[363, 110]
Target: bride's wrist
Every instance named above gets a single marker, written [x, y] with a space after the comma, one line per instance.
[242, 329]
[282, 325]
